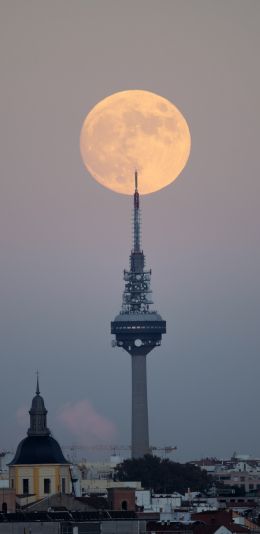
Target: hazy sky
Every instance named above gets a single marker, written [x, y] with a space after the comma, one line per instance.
[65, 240]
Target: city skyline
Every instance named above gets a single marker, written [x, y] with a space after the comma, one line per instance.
[65, 239]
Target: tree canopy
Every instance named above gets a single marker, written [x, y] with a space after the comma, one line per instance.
[163, 475]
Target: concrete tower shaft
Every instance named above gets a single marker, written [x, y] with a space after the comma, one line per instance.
[138, 330]
[140, 426]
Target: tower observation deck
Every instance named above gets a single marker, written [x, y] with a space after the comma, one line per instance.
[138, 330]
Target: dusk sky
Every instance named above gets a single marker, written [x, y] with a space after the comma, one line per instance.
[65, 239]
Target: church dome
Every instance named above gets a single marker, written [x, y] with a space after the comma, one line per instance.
[39, 447]
[38, 450]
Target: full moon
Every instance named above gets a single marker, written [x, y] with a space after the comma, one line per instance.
[135, 130]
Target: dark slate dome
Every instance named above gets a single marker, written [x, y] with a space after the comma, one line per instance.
[38, 450]
[39, 447]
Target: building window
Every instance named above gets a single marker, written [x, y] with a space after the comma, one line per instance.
[25, 486]
[63, 485]
[4, 507]
[124, 505]
[46, 485]
[12, 483]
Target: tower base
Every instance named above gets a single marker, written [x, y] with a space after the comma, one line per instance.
[140, 432]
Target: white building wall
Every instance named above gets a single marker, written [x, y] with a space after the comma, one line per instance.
[165, 503]
[222, 530]
[5, 459]
[143, 498]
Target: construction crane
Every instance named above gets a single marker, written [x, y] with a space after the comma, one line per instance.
[99, 447]
[168, 449]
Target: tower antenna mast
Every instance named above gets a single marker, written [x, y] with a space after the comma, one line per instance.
[137, 218]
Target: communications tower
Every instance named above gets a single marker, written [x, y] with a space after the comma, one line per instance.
[138, 330]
